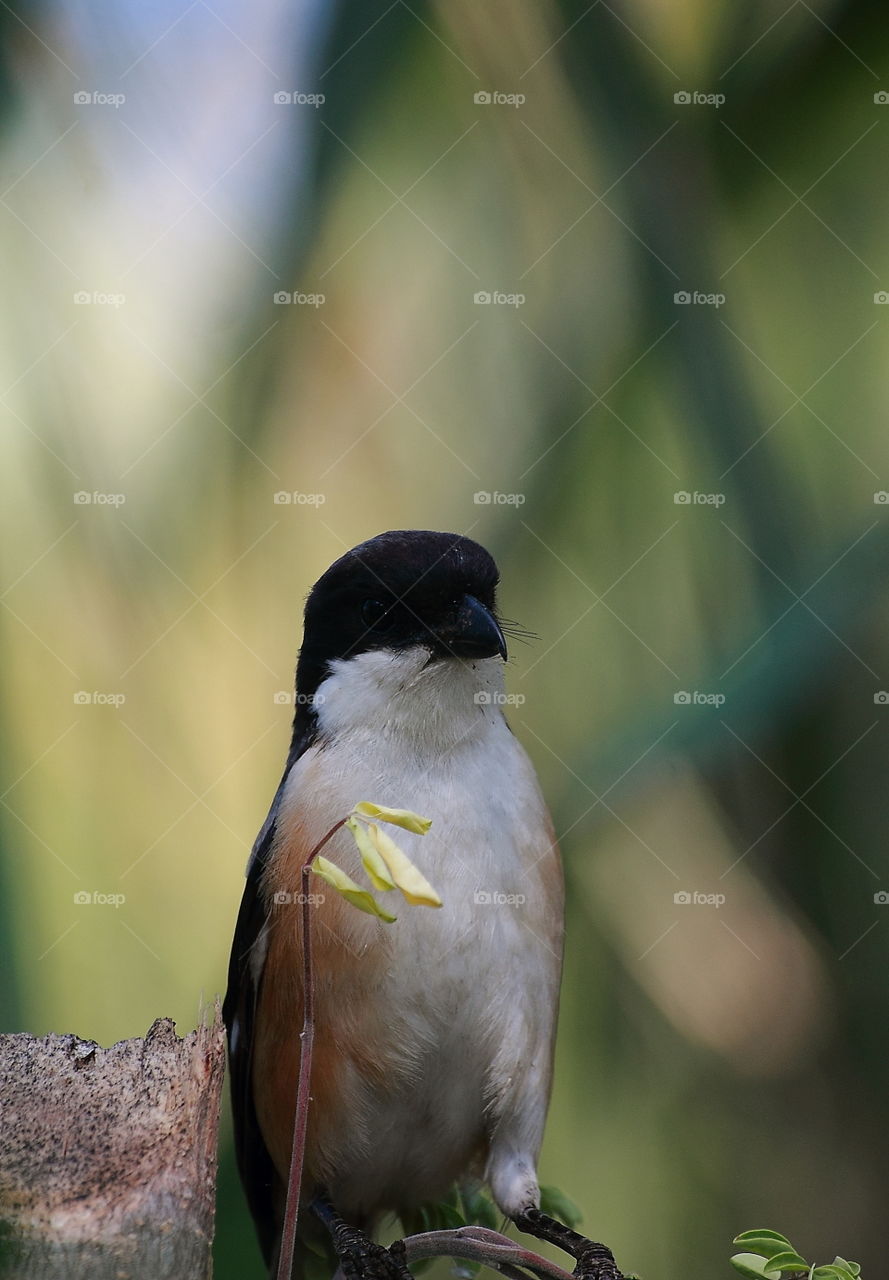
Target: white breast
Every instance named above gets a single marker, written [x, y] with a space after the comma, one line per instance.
[431, 737]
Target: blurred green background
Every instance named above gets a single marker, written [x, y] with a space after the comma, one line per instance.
[675, 402]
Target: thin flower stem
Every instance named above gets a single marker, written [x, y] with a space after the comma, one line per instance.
[307, 1041]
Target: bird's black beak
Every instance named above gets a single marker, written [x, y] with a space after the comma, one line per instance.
[474, 633]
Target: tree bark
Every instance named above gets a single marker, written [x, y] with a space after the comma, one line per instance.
[108, 1156]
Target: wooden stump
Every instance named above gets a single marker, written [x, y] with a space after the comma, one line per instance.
[108, 1156]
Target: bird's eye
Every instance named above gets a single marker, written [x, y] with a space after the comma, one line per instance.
[372, 611]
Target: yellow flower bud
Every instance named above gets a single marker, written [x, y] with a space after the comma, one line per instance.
[398, 817]
[412, 883]
[348, 889]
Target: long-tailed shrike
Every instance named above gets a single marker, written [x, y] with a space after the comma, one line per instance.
[434, 1043]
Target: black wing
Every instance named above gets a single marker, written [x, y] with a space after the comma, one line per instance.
[258, 1174]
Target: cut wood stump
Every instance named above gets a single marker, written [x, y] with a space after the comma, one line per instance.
[108, 1156]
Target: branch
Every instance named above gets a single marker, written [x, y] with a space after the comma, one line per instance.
[108, 1160]
[479, 1244]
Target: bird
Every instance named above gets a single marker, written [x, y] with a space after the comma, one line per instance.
[435, 1034]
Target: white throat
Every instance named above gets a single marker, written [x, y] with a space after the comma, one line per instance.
[401, 693]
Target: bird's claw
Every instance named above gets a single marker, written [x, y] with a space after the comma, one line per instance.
[361, 1258]
[594, 1261]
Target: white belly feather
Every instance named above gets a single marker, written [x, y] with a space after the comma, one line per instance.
[469, 992]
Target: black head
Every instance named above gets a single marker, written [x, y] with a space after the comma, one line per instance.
[401, 589]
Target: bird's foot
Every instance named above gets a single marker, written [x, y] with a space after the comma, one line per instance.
[361, 1258]
[593, 1261]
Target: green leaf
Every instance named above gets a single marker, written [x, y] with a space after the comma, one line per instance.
[478, 1208]
[450, 1217]
[762, 1241]
[465, 1270]
[452, 1197]
[346, 887]
[556, 1204]
[435, 1215]
[853, 1267]
[789, 1260]
[315, 1267]
[370, 857]
[754, 1266]
[441, 1216]
[830, 1271]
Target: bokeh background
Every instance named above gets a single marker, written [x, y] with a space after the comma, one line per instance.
[673, 408]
